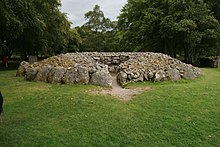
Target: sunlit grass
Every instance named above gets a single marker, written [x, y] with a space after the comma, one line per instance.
[183, 113]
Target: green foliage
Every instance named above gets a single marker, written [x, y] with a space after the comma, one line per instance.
[183, 113]
[214, 6]
[174, 27]
[98, 33]
[169, 26]
[74, 42]
[97, 21]
[33, 26]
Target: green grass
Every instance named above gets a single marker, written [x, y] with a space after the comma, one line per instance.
[183, 113]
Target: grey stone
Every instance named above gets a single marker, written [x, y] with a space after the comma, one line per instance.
[173, 74]
[216, 63]
[21, 69]
[150, 75]
[146, 76]
[157, 77]
[30, 73]
[132, 67]
[101, 78]
[188, 73]
[77, 74]
[115, 61]
[122, 78]
[92, 68]
[140, 78]
[115, 58]
[56, 74]
[96, 58]
[32, 59]
[197, 71]
[42, 74]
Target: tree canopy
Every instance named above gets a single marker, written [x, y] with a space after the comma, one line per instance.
[98, 32]
[187, 28]
[169, 26]
[32, 26]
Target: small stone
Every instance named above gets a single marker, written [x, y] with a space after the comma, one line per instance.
[146, 76]
[150, 75]
[157, 77]
[122, 77]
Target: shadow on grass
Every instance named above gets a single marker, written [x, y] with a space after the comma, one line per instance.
[12, 65]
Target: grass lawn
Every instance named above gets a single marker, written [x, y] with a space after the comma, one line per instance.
[183, 113]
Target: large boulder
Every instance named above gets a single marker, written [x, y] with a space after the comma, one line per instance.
[173, 74]
[77, 74]
[102, 78]
[21, 69]
[43, 73]
[30, 73]
[188, 73]
[122, 78]
[56, 74]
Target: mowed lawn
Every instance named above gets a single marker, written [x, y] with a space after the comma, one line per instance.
[183, 113]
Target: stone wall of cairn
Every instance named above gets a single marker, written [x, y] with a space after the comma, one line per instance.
[95, 68]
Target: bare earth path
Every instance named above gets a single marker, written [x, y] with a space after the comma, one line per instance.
[122, 93]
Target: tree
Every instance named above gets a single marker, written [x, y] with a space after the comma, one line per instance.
[74, 42]
[96, 32]
[11, 25]
[33, 26]
[169, 26]
[214, 6]
[194, 27]
[96, 20]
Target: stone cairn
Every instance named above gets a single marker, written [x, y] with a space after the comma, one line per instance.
[95, 68]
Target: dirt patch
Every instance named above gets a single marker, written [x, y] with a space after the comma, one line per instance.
[117, 91]
[124, 94]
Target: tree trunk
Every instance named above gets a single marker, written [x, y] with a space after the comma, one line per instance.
[187, 56]
[23, 55]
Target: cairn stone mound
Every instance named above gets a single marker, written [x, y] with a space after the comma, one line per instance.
[95, 68]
